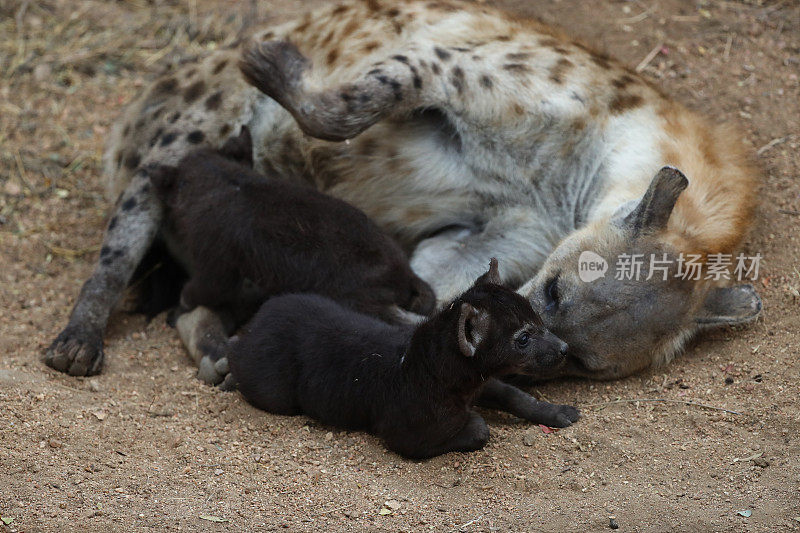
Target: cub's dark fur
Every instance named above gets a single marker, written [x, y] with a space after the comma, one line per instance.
[237, 224]
[413, 387]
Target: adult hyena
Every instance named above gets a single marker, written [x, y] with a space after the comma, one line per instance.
[468, 134]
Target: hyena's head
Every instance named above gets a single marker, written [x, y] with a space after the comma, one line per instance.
[615, 327]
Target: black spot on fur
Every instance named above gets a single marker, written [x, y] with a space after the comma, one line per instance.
[196, 137]
[112, 224]
[623, 81]
[213, 101]
[129, 204]
[126, 130]
[457, 79]
[442, 54]
[435, 68]
[225, 129]
[219, 66]
[601, 60]
[167, 139]
[174, 117]
[156, 135]
[518, 56]
[397, 90]
[194, 91]
[401, 58]
[624, 101]
[517, 68]
[165, 85]
[104, 251]
[560, 69]
[486, 81]
[132, 160]
[374, 72]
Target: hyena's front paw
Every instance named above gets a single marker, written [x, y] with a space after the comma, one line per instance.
[556, 416]
[76, 352]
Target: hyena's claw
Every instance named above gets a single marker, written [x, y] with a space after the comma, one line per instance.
[76, 352]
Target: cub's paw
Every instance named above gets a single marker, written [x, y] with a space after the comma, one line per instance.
[216, 372]
[557, 416]
[76, 352]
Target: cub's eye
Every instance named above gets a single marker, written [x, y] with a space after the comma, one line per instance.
[551, 295]
[523, 339]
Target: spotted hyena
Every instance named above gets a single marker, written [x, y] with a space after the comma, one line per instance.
[468, 134]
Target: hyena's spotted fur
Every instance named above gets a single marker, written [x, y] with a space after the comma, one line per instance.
[469, 134]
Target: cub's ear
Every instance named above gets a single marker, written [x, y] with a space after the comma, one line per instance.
[163, 178]
[473, 325]
[653, 211]
[239, 148]
[729, 305]
[492, 276]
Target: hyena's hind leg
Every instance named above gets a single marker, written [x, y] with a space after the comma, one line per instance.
[78, 349]
[400, 82]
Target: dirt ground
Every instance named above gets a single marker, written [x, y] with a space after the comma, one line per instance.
[147, 446]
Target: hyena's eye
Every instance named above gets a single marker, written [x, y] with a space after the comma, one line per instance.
[551, 295]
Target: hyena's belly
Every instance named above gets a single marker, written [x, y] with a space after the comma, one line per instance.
[409, 176]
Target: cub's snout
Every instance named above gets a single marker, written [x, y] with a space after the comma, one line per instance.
[548, 351]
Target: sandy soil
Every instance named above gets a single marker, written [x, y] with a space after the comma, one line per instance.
[146, 446]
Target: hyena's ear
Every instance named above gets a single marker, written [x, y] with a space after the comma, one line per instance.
[473, 324]
[653, 211]
[729, 305]
[492, 275]
[239, 148]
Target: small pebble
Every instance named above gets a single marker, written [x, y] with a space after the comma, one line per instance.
[529, 438]
[612, 523]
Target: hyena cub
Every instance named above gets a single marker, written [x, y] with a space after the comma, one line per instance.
[237, 225]
[414, 388]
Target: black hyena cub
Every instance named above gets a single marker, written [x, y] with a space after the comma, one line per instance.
[239, 225]
[413, 387]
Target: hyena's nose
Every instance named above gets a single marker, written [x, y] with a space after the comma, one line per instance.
[563, 348]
